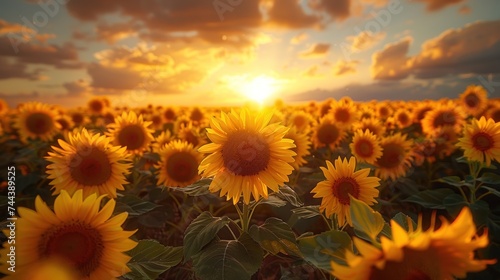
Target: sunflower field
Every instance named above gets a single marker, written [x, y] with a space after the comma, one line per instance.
[337, 189]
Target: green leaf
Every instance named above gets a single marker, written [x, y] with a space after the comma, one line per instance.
[197, 189]
[454, 203]
[490, 178]
[271, 200]
[201, 231]
[480, 211]
[305, 212]
[275, 236]
[452, 181]
[150, 259]
[404, 221]
[288, 194]
[133, 205]
[492, 190]
[365, 219]
[321, 249]
[229, 259]
[432, 199]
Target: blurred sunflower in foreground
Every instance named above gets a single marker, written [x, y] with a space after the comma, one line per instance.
[89, 239]
[178, 166]
[481, 141]
[445, 253]
[247, 155]
[342, 181]
[87, 162]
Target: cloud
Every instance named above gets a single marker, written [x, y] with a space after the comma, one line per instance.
[312, 71]
[344, 67]
[298, 38]
[317, 50]
[436, 5]
[365, 40]
[8, 27]
[473, 49]
[289, 14]
[465, 10]
[77, 88]
[391, 62]
[17, 70]
[339, 10]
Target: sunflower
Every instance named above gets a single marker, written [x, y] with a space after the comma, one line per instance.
[445, 114]
[474, 100]
[327, 133]
[88, 162]
[384, 110]
[493, 111]
[170, 115]
[481, 141]
[191, 134]
[65, 122]
[247, 155]
[301, 120]
[421, 110]
[76, 231]
[365, 146]
[403, 118]
[372, 124]
[445, 253]
[4, 107]
[96, 105]
[197, 116]
[78, 117]
[343, 113]
[342, 181]
[36, 121]
[131, 131]
[302, 143]
[161, 140]
[396, 157]
[178, 166]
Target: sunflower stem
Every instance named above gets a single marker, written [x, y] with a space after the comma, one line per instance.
[483, 195]
[245, 218]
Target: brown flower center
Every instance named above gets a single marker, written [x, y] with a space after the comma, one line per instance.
[328, 133]
[182, 167]
[383, 112]
[132, 136]
[190, 138]
[403, 119]
[472, 100]
[76, 242]
[343, 187]
[96, 106]
[246, 153]
[342, 115]
[444, 118]
[421, 114]
[39, 123]
[77, 118]
[196, 115]
[169, 114]
[364, 148]
[65, 125]
[299, 121]
[90, 167]
[392, 155]
[482, 141]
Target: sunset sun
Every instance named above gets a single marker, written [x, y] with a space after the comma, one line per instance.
[259, 88]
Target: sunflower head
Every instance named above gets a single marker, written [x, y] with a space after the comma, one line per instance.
[444, 114]
[344, 113]
[87, 238]
[247, 155]
[365, 146]
[87, 162]
[178, 166]
[36, 121]
[341, 181]
[474, 100]
[481, 141]
[327, 133]
[302, 143]
[396, 157]
[131, 132]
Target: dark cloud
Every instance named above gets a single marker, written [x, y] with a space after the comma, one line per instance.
[339, 10]
[317, 50]
[17, 70]
[113, 77]
[289, 14]
[391, 62]
[436, 5]
[473, 49]
[76, 88]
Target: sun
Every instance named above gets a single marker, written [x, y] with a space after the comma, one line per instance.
[259, 88]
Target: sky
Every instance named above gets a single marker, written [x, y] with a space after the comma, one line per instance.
[227, 52]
